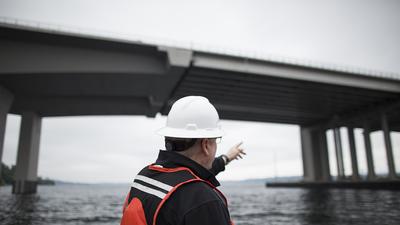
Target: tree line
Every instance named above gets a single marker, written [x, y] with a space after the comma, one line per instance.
[7, 176]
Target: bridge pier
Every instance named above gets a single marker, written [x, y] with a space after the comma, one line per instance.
[388, 145]
[6, 99]
[315, 154]
[25, 177]
[339, 153]
[368, 153]
[353, 154]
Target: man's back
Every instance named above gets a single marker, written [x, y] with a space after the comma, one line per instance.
[177, 191]
[195, 203]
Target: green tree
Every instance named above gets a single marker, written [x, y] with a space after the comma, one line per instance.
[6, 174]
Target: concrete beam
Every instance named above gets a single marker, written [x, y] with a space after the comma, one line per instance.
[25, 177]
[368, 153]
[339, 152]
[353, 154]
[178, 63]
[178, 56]
[19, 57]
[388, 145]
[365, 113]
[315, 155]
[246, 65]
[6, 99]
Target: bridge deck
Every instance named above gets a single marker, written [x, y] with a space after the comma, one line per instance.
[63, 75]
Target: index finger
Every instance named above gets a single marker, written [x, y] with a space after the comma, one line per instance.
[239, 144]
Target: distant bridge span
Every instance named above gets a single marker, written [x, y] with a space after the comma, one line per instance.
[45, 73]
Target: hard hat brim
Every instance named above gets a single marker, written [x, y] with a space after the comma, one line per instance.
[199, 133]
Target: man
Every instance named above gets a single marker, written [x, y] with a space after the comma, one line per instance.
[180, 187]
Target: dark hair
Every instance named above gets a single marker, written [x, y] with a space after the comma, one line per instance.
[179, 144]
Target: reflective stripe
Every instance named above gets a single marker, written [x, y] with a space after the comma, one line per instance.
[155, 183]
[148, 190]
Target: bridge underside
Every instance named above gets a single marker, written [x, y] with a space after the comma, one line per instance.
[46, 74]
[236, 96]
[240, 96]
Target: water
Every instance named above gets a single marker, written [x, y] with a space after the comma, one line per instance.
[284, 206]
[249, 204]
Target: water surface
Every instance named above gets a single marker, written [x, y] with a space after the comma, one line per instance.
[249, 204]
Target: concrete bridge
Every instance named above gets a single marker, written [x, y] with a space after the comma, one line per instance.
[46, 73]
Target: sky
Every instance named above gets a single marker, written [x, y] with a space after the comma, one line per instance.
[354, 33]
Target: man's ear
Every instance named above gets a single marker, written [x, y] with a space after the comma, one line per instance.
[204, 146]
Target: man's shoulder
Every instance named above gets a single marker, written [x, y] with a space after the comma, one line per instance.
[189, 194]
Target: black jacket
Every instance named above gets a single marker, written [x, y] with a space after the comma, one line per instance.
[218, 166]
[194, 203]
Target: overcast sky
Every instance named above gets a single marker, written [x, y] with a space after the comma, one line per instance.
[357, 33]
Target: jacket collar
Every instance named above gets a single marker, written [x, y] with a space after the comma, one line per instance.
[172, 159]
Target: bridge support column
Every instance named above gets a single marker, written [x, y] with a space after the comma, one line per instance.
[368, 153]
[25, 178]
[388, 144]
[353, 155]
[315, 155]
[6, 99]
[339, 153]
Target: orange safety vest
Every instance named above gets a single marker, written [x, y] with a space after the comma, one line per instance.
[156, 184]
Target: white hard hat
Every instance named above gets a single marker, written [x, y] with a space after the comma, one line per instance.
[192, 117]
